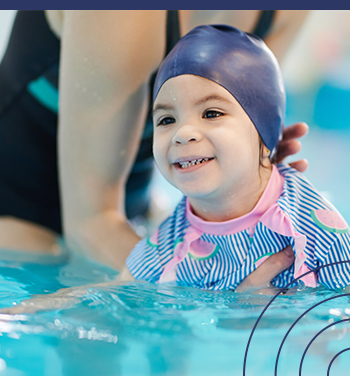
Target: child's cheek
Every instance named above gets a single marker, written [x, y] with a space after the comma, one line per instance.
[159, 152]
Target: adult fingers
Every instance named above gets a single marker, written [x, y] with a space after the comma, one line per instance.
[289, 145]
[262, 276]
[296, 130]
[300, 165]
[286, 148]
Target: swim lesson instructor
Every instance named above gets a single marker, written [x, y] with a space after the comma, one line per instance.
[79, 163]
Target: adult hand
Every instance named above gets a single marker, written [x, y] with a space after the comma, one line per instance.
[258, 282]
[290, 145]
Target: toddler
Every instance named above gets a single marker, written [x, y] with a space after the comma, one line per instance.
[219, 105]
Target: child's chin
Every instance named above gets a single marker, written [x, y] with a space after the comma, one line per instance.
[196, 193]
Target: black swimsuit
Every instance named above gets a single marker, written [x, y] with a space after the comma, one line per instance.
[28, 123]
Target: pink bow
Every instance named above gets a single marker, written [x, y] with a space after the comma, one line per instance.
[276, 220]
[180, 252]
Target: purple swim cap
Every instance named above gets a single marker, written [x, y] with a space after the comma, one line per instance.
[239, 62]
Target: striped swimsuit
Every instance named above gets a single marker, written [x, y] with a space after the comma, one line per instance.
[219, 255]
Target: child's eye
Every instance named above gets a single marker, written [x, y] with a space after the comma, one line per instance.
[165, 120]
[211, 114]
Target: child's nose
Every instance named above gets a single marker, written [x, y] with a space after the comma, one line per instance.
[186, 134]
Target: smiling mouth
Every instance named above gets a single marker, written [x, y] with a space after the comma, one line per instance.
[194, 162]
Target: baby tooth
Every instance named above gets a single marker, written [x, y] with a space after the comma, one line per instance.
[193, 162]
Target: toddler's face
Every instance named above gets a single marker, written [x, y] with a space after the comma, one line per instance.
[204, 142]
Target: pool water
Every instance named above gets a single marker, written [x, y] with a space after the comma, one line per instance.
[140, 329]
[145, 329]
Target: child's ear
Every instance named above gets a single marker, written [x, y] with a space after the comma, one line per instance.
[265, 152]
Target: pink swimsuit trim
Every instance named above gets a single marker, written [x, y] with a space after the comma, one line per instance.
[267, 211]
[270, 195]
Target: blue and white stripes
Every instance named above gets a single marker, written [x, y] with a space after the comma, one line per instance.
[237, 252]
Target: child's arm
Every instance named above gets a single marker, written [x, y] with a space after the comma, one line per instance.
[63, 298]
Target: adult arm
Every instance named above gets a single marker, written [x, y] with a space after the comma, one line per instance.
[107, 58]
[286, 27]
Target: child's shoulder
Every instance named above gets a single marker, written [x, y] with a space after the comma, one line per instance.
[307, 208]
[299, 191]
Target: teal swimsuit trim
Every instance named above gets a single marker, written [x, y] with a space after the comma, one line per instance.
[45, 93]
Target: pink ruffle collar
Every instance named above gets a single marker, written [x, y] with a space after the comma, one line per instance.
[267, 211]
[270, 195]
